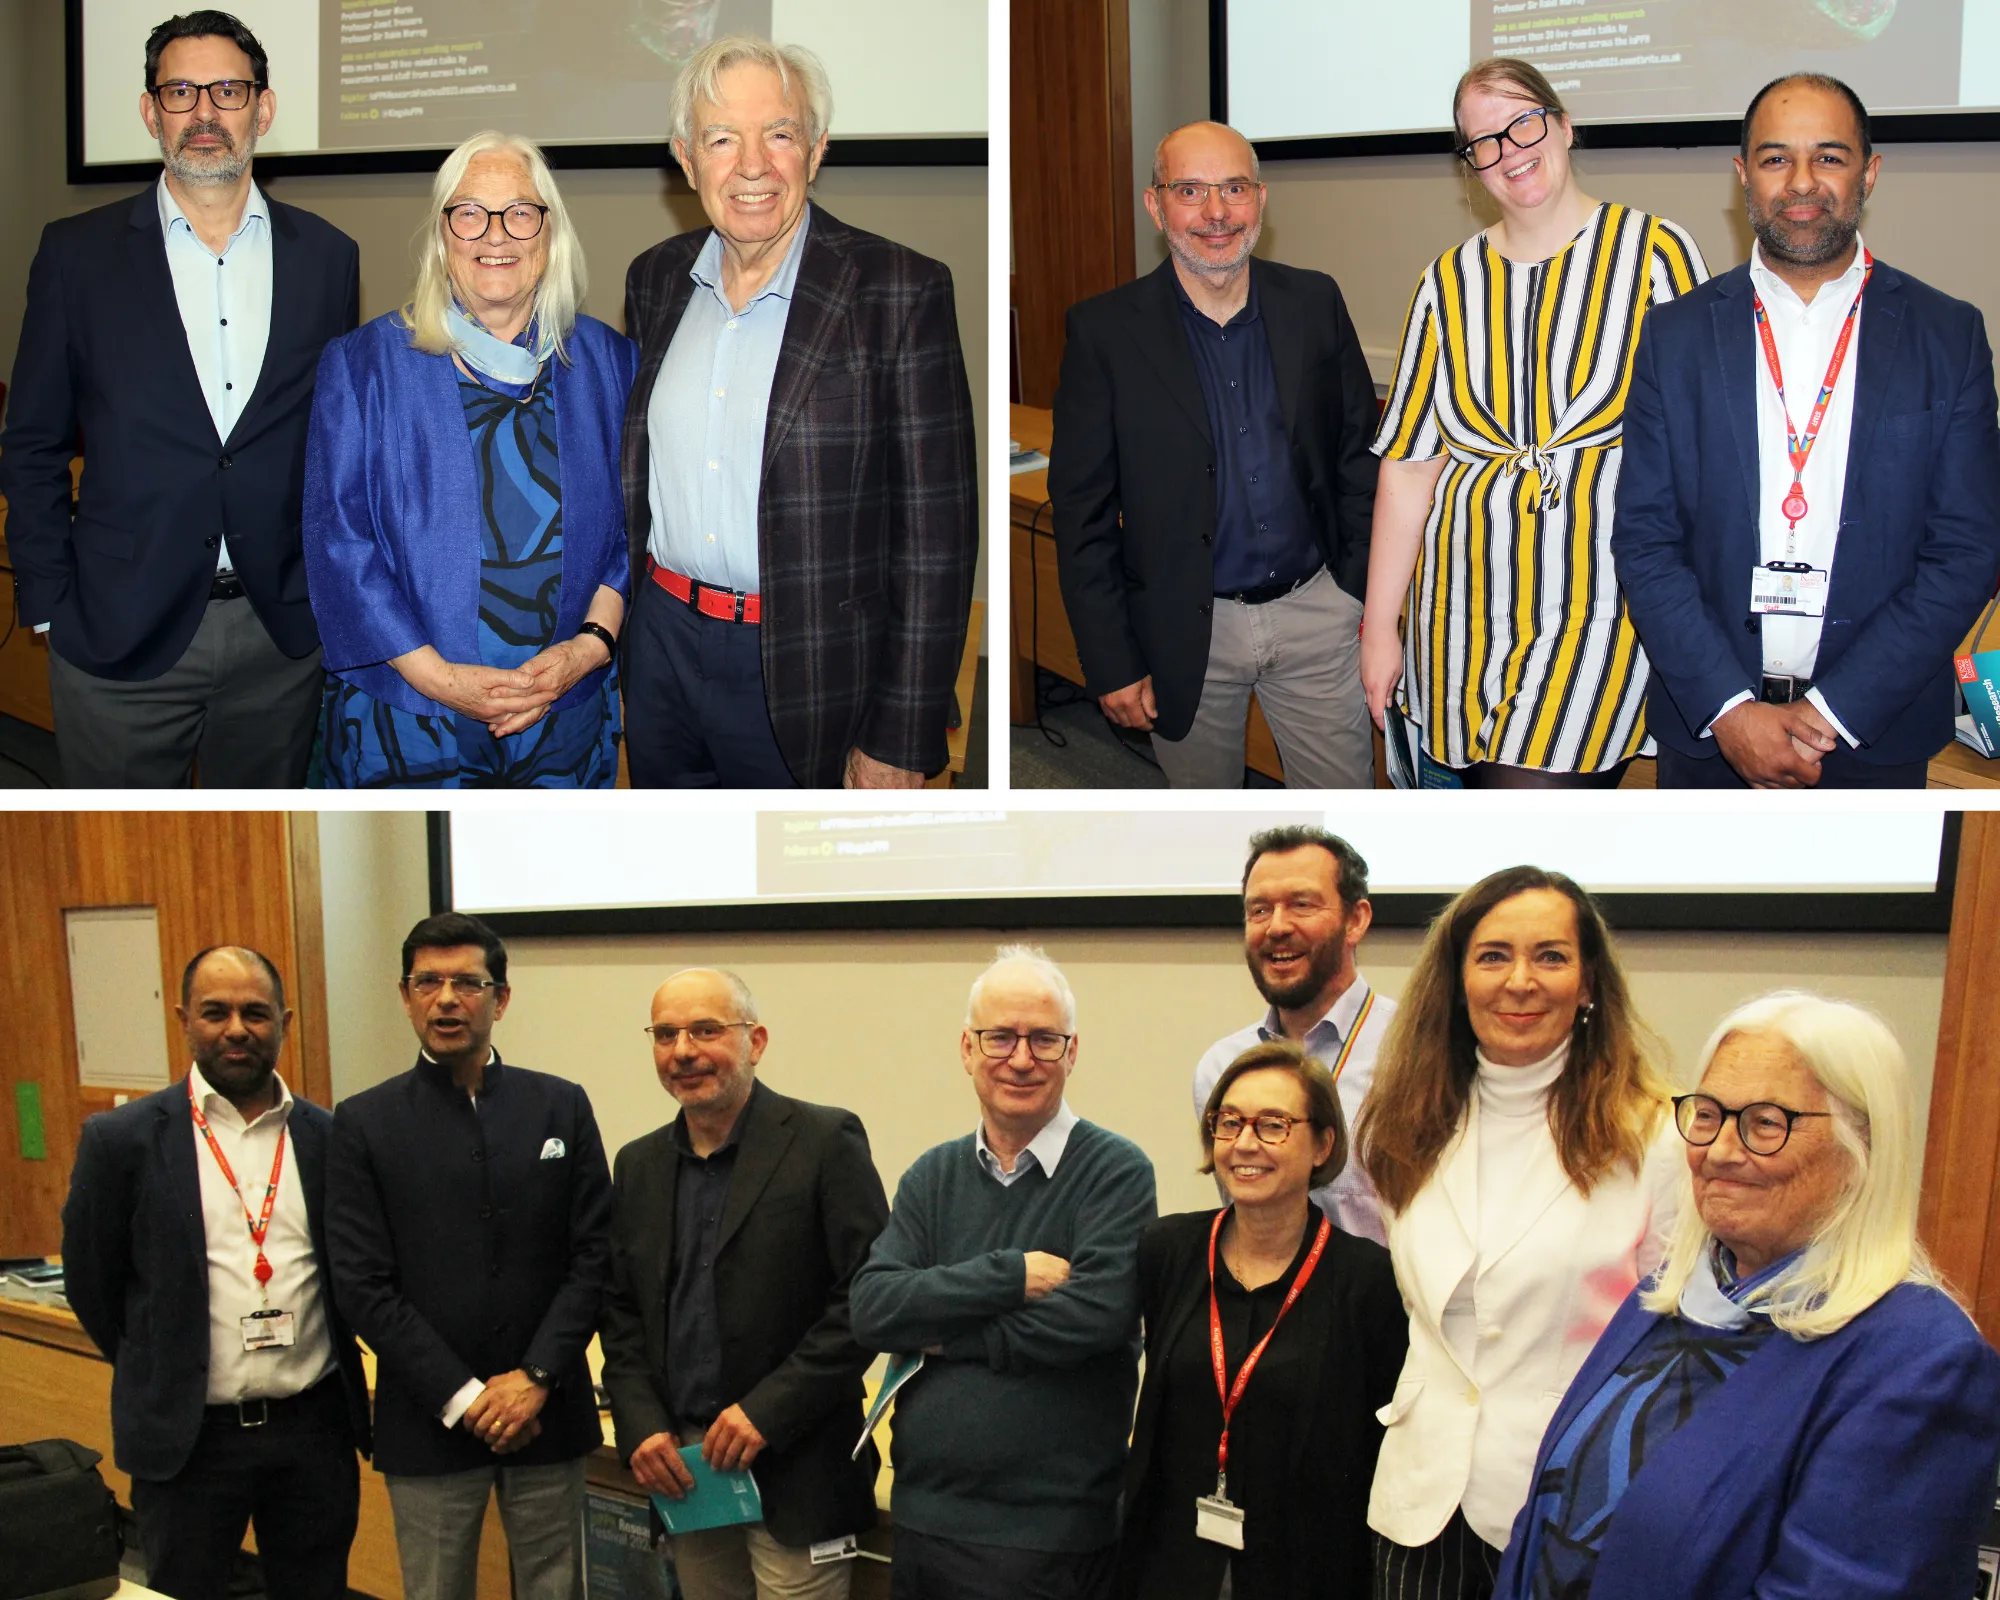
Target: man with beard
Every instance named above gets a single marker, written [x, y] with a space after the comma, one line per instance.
[468, 1208]
[176, 336]
[1305, 909]
[1802, 553]
[736, 1231]
[194, 1254]
[1212, 488]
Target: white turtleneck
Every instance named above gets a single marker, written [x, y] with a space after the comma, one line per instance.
[1513, 1131]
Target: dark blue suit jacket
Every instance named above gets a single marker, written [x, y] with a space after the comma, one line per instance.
[135, 1269]
[104, 361]
[1859, 1465]
[393, 521]
[1920, 518]
[467, 1242]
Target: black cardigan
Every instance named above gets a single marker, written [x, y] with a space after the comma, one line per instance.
[1352, 1312]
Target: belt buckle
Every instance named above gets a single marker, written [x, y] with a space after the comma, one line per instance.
[739, 599]
[1780, 689]
[243, 1413]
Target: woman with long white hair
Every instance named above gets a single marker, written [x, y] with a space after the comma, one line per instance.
[464, 519]
[1795, 1404]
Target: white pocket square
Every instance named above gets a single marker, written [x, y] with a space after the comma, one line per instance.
[553, 1150]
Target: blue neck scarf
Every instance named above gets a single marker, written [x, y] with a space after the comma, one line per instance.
[488, 354]
[1709, 1301]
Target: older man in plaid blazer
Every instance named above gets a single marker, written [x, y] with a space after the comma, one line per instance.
[798, 464]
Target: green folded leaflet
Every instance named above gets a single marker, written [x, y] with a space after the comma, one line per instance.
[717, 1500]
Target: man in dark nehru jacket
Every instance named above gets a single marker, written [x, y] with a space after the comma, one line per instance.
[468, 1211]
[194, 1254]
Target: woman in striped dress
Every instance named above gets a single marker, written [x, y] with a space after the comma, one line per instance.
[1500, 448]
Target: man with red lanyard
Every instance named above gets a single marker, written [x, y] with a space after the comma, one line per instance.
[1305, 910]
[194, 1255]
[1808, 514]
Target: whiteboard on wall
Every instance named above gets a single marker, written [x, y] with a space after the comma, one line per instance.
[115, 992]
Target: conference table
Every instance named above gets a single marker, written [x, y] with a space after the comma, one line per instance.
[55, 1385]
[1041, 635]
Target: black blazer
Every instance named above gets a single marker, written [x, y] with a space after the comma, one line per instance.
[1132, 471]
[805, 1203]
[104, 360]
[135, 1269]
[867, 513]
[467, 1243]
[1353, 1314]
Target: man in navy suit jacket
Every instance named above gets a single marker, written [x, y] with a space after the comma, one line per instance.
[1800, 576]
[174, 337]
[233, 1400]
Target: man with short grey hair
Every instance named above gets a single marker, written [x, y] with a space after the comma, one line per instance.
[798, 465]
[1213, 489]
[1010, 1261]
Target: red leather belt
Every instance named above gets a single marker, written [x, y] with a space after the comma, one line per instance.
[724, 604]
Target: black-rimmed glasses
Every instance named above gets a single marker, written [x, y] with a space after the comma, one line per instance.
[469, 220]
[1528, 129]
[465, 987]
[1272, 1127]
[225, 94]
[1187, 192]
[1762, 1127]
[706, 1031]
[1043, 1044]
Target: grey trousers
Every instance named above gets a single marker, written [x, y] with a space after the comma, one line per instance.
[438, 1520]
[234, 702]
[746, 1563]
[1302, 655]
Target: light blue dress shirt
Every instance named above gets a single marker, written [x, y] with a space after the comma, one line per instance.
[705, 422]
[1044, 1150]
[225, 306]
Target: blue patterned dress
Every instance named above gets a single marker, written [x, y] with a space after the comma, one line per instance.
[370, 744]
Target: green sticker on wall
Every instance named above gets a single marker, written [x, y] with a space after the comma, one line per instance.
[28, 1115]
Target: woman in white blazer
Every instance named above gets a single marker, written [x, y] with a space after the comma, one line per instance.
[1517, 1133]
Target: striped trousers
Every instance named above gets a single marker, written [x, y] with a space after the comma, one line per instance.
[1456, 1565]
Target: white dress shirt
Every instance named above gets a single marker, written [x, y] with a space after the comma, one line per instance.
[1350, 1199]
[1805, 334]
[233, 1291]
[1044, 1150]
[225, 306]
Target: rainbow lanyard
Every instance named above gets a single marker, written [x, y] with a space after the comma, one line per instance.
[1353, 1033]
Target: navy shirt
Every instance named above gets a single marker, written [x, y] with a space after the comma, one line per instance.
[1263, 531]
[694, 1326]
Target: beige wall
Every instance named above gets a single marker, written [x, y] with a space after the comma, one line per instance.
[1375, 222]
[374, 887]
[871, 1021]
[940, 211]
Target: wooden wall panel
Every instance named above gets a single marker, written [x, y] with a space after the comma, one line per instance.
[216, 877]
[1070, 148]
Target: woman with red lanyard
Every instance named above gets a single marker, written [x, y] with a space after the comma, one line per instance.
[1272, 1338]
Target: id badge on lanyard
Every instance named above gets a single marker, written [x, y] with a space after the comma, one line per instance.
[1788, 589]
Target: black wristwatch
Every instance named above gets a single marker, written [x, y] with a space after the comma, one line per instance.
[598, 631]
[539, 1375]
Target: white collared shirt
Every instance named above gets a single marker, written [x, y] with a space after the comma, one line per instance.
[1805, 334]
[1045, 1149]
[233, 1291]
[225, 306]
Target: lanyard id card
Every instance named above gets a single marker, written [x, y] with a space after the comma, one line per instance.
[269, 1330]
[1217, 1521]
[1788, 589]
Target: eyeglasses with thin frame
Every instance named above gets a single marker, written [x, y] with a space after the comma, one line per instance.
[225, 94]
[462, 984]
[1189, 192]
[1271, 1127]
[469, 220]
[1762, 1126]
[1530, 128]
[707, 1031]
[1043, 1044]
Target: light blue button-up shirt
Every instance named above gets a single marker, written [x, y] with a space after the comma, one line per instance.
[705, 422]
[1044, 1150]
[225, 306]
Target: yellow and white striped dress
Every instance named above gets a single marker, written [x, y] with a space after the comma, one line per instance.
[1517, 647]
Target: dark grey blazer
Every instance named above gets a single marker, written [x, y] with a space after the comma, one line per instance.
[805, 1203]
[867, 515]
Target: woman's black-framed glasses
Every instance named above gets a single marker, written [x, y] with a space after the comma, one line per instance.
[468, 220]
[1762, 1126]
[225, 94]
[1272, 1127]
[1530, 128]
[1044, 1044]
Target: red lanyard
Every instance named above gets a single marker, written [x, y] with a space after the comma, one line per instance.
[1231, 1393]
[1796, 448]
[1353, 1033]
[259, 1226]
